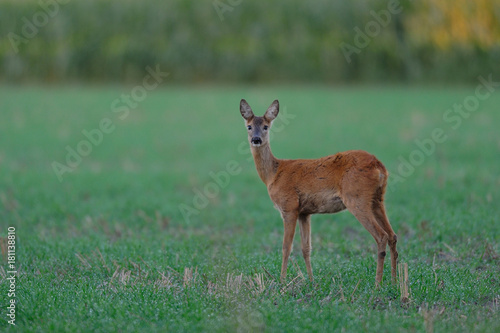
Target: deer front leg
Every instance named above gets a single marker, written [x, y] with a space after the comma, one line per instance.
[305, 237]
[289, 222]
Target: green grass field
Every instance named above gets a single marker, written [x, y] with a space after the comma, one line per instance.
[108, 248]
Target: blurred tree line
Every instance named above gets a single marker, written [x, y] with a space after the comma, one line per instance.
[249, 40]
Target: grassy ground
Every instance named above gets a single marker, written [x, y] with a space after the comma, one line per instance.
[108, 248]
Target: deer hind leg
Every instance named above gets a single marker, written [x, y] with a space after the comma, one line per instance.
[289, 222]
[383, 221]
[362, 210]
[305, 238]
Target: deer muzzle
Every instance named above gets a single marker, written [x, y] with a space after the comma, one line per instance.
[256, 141]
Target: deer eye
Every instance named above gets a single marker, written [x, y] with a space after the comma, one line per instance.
[265, 128]
[249, 127]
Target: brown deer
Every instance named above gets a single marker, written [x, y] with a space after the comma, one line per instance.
[354, 179]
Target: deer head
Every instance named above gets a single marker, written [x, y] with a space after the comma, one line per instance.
[258, 127]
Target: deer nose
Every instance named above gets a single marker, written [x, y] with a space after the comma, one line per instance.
[256, 140]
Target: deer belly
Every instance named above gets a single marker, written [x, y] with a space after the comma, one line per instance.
[321, 203]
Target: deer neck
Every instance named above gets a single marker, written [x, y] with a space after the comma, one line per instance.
[265, 162]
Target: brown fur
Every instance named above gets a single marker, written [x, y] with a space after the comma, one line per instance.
[354, 180]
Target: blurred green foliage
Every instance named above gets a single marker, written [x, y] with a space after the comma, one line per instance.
[249, 41]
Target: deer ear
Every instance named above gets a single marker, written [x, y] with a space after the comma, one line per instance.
[246, 110]
[272, 111]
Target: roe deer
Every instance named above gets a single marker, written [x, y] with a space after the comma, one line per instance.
[354, 179]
